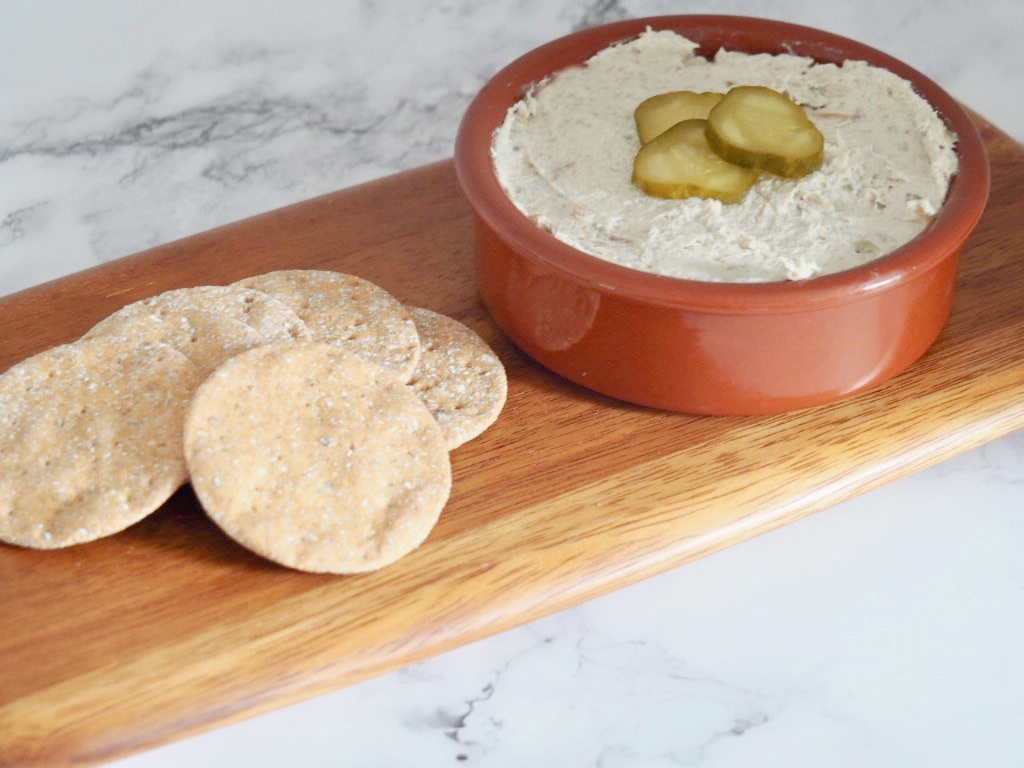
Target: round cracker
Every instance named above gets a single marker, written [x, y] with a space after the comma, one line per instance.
[272, 319]
[349, 312]
[90, 439]
[459, 378]
[206, 338]
[315, 459]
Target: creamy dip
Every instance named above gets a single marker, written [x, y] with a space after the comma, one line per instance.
[564, 155]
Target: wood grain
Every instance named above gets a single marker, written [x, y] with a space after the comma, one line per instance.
[168, 628]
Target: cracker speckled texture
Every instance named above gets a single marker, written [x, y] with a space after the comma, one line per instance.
[459, 378]
[315, 459]
[272, 319]
[349, 312]
[311, 410]
[207, 338]
[90, 439]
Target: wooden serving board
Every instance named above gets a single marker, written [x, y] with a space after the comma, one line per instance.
[169, 628]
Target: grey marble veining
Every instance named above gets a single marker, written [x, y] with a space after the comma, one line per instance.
[163, 121]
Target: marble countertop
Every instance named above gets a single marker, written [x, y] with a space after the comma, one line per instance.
[885, 631]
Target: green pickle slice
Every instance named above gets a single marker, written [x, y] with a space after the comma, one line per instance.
[655, 115]
[679, 163]
[762, 129]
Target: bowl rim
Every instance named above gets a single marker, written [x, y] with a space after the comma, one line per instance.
[956, 219]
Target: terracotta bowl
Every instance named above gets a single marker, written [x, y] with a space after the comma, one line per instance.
[701, 347]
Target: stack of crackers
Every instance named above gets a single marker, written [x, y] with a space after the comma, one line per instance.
[312, 412]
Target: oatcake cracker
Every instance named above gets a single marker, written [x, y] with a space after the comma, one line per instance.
[347, 311]
[316, 459]
[269, 317]
[459, 378]
[90, 439]
[206, 338]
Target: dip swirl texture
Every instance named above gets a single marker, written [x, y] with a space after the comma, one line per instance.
[564, 156]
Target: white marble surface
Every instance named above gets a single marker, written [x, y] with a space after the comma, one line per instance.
[886, 631]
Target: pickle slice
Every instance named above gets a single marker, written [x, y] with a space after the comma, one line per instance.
[760, 128]
[679, 163]
[658, 113]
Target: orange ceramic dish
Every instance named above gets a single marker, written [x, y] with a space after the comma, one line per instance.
[712, 348]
